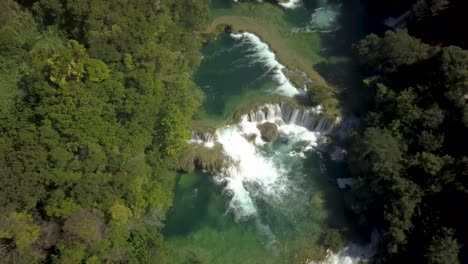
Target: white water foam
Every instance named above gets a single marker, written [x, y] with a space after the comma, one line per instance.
[291, 4]
[308, 118]
[263, 54]
[253, 175]
[206, 139]
[250, 175]
[353, 253]
[324, 18]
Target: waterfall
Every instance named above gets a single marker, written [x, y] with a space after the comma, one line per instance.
[310, 118]
[206, 139]
[251, 175]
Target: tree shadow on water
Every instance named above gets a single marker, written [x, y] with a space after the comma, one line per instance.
[345, 76]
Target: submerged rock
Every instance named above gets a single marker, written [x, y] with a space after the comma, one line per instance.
[344, 183]
[269, 131]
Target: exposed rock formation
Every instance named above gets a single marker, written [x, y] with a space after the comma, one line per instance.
[269, 131]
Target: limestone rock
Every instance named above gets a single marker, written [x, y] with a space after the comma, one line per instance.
[269, 131]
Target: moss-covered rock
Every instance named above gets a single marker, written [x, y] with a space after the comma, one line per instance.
[201, 127]
[199, 156]
[297, 77]
[326, 96]
[269, 131]
[207, 36]
[333, 240]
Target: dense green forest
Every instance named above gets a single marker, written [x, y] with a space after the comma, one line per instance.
[410, 157]
[95, 101]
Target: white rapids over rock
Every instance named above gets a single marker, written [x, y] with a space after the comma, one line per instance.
[253, 175]
[206, 139]
[263, 54]
[309, 118]
[249, 167]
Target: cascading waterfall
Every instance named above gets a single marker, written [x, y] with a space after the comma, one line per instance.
[206, 139]
[309, 118]
[252, 175]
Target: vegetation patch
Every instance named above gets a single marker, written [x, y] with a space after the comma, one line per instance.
[198, 156]
[325, 96]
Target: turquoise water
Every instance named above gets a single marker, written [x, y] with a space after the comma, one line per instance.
[229, 77]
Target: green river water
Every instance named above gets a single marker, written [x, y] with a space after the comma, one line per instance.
[230, 78]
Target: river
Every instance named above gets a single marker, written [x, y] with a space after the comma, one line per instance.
[273, 201]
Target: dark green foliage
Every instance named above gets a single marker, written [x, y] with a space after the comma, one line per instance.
[443, 248]
[333, 240]
[394, 50]
[425, 8]
[408, 157]
[95, 100]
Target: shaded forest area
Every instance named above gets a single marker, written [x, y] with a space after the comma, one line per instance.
[95, 101]
[410, 154]
[436, 22]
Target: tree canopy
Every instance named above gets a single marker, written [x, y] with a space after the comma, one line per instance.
[96, 99]
[409, 155]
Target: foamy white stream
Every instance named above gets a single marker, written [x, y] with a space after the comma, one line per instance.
[262, 53]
